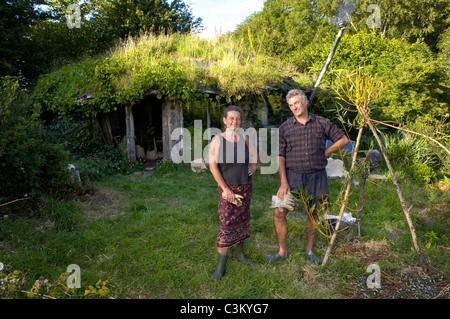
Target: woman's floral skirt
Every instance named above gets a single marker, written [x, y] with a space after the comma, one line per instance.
[234, 220]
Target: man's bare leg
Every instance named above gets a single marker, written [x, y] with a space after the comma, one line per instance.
[311, 232]
[280, 223]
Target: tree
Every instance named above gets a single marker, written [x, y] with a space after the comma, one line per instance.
[106, 21]
[118, 19]
[302, 34]
[284, 28]
[31, 164]
[34, 38]
[18, 55]
[412, 19]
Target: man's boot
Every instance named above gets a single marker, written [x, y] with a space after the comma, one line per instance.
[221, 263]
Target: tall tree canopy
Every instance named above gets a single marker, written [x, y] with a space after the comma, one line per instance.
[407, 48]
[18, 54]
[285, 25]
[36, 35]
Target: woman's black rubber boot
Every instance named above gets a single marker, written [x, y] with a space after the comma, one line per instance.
[221, 264]
[239, 254]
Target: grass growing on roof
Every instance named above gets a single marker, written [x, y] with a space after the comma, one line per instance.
[174, 65]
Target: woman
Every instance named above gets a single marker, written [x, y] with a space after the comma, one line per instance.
[229, 161]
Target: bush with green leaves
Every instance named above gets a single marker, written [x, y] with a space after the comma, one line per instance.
[415, 154]
[422, 173]
[408, 54]
[30, 163]
[414, 80]
[90, 156]
[103, 160]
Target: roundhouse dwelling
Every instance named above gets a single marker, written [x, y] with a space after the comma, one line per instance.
[139, 91]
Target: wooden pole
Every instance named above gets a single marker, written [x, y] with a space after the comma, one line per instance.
[364, 176]
[365, 168]
[129, 121]
[422, 258]
[208, 121]
[348, 184]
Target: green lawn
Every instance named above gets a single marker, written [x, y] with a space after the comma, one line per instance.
[155, 237]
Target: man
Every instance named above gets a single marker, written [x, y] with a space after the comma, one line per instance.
[302, 159]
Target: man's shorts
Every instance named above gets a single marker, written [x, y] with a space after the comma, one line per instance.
[314, 184]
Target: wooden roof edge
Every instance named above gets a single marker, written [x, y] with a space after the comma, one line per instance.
[89, 96]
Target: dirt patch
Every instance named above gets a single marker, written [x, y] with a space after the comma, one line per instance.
[435, 212]
[405, 283]
[367, 252]
[443, 187]
[105, 202]
[402, 286]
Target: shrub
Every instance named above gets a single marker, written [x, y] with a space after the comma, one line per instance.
[422, 173]
[91, 157]
[406, 148]
[30, 163]
[102, 160]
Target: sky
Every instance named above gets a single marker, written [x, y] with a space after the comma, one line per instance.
[221, 16]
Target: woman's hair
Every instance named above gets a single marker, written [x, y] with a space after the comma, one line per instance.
[231, 108]
[300, 93]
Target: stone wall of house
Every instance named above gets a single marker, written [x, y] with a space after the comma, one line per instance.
[253, 111]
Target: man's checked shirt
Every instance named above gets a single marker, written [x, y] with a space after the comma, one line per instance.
[303, 146]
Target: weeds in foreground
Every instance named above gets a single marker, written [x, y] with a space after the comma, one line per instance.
[13, 284]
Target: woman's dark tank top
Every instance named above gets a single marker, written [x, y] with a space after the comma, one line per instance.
[233, 161]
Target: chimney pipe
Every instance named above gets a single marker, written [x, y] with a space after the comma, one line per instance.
[342, 24]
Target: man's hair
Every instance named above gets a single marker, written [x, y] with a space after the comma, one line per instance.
[298, 92]
[231, 108]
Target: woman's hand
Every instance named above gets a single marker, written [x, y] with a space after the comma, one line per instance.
[229, 194]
